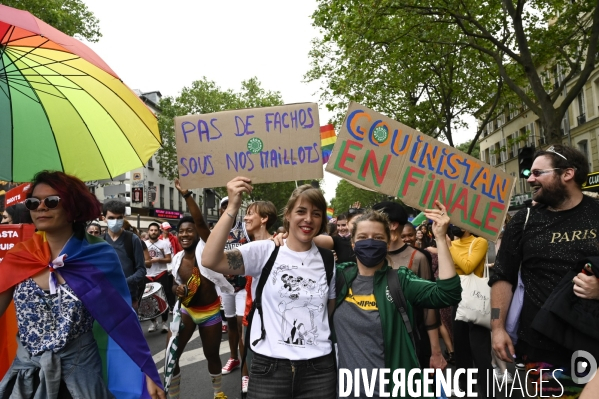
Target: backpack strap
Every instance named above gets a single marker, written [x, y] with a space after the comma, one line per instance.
[257, 300]
[329, 262]
[128, 243]
[400, 302]
[257, 304]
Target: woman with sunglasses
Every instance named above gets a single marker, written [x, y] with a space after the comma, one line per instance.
[290, 337]
[61, 281]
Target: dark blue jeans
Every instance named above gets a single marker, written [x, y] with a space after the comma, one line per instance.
[293, 379]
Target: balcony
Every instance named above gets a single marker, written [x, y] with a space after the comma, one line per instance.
[582, 118]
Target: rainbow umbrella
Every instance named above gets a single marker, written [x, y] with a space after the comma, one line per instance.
[62, 108]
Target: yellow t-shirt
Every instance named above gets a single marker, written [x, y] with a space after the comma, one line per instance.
[469, 255]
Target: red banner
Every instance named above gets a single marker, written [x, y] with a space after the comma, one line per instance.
[16, 195]
[10, 234]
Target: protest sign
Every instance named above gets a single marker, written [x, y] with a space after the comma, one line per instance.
[16, 195]
[265, 144]
[394, 159]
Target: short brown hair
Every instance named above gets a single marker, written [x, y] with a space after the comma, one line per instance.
[265, 209]
[313, 196]
[372, 216]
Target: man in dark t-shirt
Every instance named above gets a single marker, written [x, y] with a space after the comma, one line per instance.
[561, 230]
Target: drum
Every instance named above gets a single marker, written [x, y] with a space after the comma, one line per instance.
[153, 302]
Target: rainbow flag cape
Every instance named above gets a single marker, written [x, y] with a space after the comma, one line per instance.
[92, 269]
[327, 141]
[330, 213]
[8, 345]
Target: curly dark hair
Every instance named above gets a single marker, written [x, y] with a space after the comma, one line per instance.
[80, 205]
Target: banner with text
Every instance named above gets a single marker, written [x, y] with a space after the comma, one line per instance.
[394, 159]
[268, 145]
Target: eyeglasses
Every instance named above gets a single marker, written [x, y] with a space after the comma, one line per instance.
[552, 149]
[539, 172]
[33, 203]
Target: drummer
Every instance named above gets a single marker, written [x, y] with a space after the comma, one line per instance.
[195, 288]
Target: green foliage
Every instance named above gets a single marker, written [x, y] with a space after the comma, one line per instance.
[465, 147]
[427, 62]
[380, 56]
[68, 16]
[346, 194]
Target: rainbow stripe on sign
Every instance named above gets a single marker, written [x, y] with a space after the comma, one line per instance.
[327, 141]
[330, 213]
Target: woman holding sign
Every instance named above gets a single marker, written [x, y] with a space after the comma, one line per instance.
[370, 330]
[293, 289]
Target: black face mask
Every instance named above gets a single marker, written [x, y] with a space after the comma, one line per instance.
[370, 252]
[458, 232]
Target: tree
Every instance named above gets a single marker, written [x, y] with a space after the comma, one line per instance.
[205, 96]
[346, 194]
[538, 48]
[68, 16]
[383, 61]
[475, 149]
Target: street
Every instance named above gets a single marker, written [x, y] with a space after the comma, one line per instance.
[195, 380]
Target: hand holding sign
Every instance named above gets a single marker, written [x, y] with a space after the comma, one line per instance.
[235, 190]
[440, 220]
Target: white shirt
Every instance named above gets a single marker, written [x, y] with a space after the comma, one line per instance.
[158, 249]
[294, 301]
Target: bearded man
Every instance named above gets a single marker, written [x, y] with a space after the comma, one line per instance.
[544, 244]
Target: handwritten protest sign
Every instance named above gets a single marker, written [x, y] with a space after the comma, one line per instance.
[387, 156]
[265, 144]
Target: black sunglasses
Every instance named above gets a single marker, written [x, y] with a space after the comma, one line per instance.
[33, 203]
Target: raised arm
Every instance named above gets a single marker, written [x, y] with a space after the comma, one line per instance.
[196, 213]
[213, 257]
[440, 225]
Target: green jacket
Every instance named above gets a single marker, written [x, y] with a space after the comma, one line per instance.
[399, 351]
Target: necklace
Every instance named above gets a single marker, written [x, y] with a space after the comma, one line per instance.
[308, 254]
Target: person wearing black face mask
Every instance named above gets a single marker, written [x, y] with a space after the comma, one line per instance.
[369, 330]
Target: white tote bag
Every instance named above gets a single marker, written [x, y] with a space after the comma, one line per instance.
[475, 306]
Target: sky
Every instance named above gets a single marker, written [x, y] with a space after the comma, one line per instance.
[165, 46]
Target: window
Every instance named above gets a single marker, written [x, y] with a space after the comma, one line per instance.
[180, 202]
[151, 163]
[583, 146]
[581, 108]
[161, 196]
[503, 152]
[151, 193]
[171, 198]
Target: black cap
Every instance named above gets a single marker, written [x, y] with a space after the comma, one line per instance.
[393, 210]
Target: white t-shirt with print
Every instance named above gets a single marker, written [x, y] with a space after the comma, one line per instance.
[294, 301]
[158, 249]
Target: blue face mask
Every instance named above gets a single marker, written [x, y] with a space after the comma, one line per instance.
[370, 252]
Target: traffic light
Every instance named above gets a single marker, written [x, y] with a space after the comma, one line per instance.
[525, 158]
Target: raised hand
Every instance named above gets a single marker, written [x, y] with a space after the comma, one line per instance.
[439, 218]
[235, 190]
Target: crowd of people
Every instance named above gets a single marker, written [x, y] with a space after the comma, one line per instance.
[368, 291]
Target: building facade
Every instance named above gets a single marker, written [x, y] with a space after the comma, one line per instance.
[518, 127]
